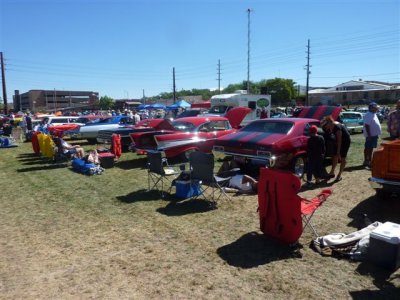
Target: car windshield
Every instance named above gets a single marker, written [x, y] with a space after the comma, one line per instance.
[350, 116]
[107, 120]
[183, 126]
[269, 127]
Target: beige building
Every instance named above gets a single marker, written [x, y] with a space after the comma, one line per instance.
[53, 100]
[356, 92]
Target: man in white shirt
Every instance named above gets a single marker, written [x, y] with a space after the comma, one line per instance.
[136, 117]
[372, 131]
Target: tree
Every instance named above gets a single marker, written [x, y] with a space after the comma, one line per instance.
[106, 102]
[281, 90]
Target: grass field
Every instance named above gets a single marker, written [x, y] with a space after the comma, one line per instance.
[65, 236]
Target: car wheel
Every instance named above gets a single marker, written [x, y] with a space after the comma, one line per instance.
[298, 166]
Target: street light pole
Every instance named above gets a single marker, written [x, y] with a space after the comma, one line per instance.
[248, 50]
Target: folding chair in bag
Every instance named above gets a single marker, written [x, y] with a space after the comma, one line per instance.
[202, 171]
[158, 170]
[282, 212]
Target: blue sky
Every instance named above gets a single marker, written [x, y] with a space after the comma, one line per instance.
[120, 48]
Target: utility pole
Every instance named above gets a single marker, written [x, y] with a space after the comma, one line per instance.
[308, 71]
[144, 98]
[219, 77]
[248, 50]
[3, 79]
[173, 84]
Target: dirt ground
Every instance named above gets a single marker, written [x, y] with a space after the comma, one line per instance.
[113, 240]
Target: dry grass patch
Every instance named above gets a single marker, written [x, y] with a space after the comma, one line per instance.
[65, 235]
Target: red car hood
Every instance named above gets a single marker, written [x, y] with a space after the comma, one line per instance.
[236, 115]
[318, 112]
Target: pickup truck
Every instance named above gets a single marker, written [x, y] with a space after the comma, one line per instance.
[385, 169]
[90, 131]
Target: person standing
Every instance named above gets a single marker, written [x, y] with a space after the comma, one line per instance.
[372, 131]
[136, 117]
[342, 145]
[315, 156]
[263, 114]
[393, 122]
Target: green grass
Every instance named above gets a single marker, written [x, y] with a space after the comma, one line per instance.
[66, 235]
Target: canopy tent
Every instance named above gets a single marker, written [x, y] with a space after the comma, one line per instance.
[204, 104]
[143, 106]
[179, 104]
[156, 106]
[151, 106]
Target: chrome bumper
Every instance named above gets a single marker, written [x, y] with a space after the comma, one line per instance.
[379, 183]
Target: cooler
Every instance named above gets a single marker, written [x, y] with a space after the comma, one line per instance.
[384, 246]
[106, 159]
[187, 189]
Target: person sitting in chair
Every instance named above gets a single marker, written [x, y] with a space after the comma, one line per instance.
[239, 182]
[70, 149]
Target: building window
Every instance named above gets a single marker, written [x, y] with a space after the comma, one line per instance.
[344, 96]
[365, 95]
[376, 95]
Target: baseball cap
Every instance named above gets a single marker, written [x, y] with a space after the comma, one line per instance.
[313, 129]
[372, 104]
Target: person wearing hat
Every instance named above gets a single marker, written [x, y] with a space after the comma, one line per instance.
[315, 155]
[372, 131]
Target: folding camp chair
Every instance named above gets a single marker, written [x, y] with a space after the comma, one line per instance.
[59, 154]
[283, 214]
[309, 207]
[202, 171]
[158, 170]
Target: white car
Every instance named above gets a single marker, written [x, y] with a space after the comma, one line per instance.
[61, 120]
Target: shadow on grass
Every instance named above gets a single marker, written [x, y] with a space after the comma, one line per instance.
[376, 210]
[143, 195]
[176, 208]
[354, 168]
[381, 279]
[43, 168]
[254, 249]
[132, 164]
[28, 155]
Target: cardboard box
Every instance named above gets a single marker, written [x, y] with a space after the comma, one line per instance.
[187, 189]
[384, 246]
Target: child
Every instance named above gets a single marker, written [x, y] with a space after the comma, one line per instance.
[315, 154]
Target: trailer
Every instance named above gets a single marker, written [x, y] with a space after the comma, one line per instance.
[221, 104]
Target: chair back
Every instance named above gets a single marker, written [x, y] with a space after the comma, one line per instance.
[279, 205]
[155, 162]
[202, 166]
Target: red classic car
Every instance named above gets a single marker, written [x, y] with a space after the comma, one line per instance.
[191, 133]
[279, 143]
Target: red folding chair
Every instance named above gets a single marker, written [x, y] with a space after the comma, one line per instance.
[282, 211]
[309, 207]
